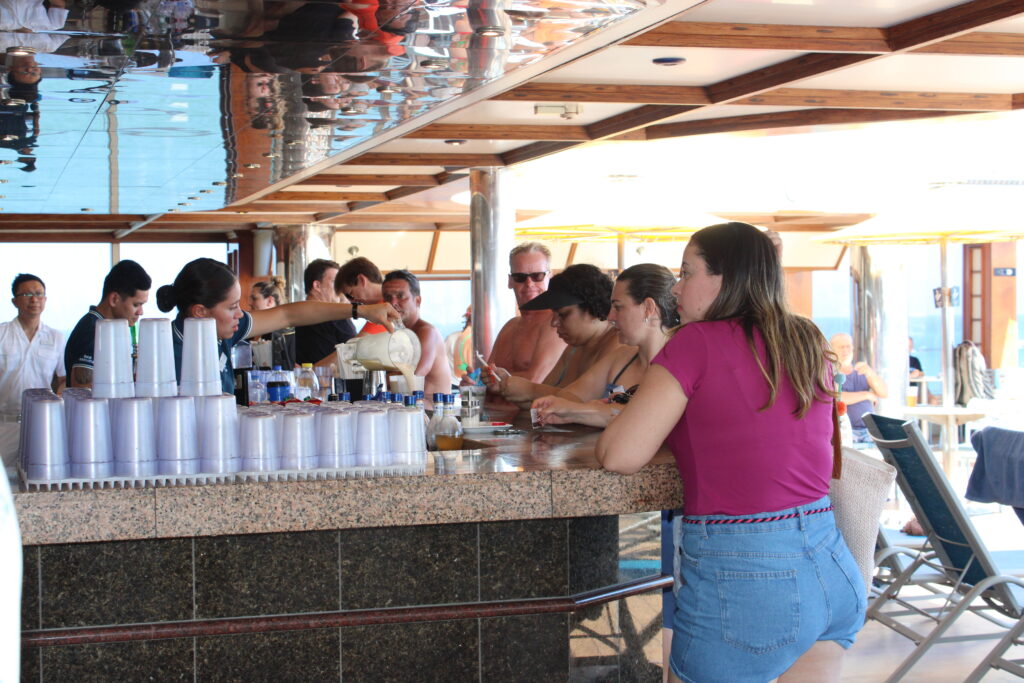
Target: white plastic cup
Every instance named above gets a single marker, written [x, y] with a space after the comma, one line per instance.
[298, 449]
[200, 358]
[258, 442]
[408, 443]
[217, 423]
[373, 446]
[89, 442]
[336, 442]
[70, 396]
[134, 437]
[154, 373]
[112, 360]
[45, 450]
[176, 447]
[28, 397]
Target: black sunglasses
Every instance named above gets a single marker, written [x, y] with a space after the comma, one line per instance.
[521, 277]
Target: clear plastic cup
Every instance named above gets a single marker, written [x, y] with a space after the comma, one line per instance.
[89, 441]
[298, 450]
[217, 424]
[407, 439]
[373, 446]
[134, 437]
[200, 358]
[112, 360]
[336, 442]
[176, 435]
[44, 451]
[70, 396]
[29, 396]
[154, 372]
[258, 442]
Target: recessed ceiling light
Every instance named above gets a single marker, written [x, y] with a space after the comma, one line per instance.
[237, 175]
[86, 209]
[349, 110]
[194, 199]
[184, 204]
[218, 183]
[387, 89]
[434, 64]
[5, 162]
[455, 143]
[668, 61]
[252, 165]
[489, 31]
[270, 155]
[9, 138]
[205, 191]
[20, 50]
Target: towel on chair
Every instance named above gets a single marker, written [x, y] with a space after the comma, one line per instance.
[998, 474]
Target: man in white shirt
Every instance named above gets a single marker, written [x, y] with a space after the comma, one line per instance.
[31, 357]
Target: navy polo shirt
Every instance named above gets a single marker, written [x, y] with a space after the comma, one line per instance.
[79, 349]
[227, 371]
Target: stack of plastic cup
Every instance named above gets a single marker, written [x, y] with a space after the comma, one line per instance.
[298, 451]
[217, 424]
[176, 451]
[89, 440]
[70, 396]
[408, 442]
[258, 442]
[154, 373]
[200, 358]
[112, 360]
[29, 397]
[44, 451]
[134, 437]
[336, 439]
[373, 446]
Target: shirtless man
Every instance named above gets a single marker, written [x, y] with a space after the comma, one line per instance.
[401, 289]
[528, 346]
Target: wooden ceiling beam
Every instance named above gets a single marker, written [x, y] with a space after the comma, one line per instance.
[787, 119]
[353, 180]
[606, 92]
[294, 207]
[634, 119]
[534, 150]
[287, 196]
[764, 37]
[233, 216]
[984, 43]
[71, 219]
[781, 74]
[105, 237]
[440, 179]
[363, 218]
[414, 159]
[950, 23]
[446, 131]
[881, 99]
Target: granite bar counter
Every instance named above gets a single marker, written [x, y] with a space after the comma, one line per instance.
[517, 560]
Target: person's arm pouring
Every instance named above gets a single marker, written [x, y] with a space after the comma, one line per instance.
[313, 312]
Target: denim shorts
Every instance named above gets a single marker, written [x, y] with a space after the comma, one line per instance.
[753, 597]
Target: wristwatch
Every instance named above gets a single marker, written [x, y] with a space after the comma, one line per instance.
[355, 310]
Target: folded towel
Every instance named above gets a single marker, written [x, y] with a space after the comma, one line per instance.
[998, 475]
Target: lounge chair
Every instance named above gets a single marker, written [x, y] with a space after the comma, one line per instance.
[957, 562]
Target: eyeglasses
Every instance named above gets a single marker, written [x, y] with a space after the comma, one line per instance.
[31, 295]
[520, 278]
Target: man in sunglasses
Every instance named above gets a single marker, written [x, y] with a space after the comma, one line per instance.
[31, 357]
[528, 346]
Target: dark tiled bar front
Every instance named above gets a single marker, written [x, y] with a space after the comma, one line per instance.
[392, 556]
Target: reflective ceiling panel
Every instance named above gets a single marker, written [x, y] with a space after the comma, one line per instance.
[185, 105]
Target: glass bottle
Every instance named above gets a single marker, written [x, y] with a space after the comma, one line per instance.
[448, 434]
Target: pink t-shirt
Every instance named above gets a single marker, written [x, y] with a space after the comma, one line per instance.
[733, 458]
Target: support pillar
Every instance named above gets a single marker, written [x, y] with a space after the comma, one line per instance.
[491, 225]
[879, 319]
[297, 245]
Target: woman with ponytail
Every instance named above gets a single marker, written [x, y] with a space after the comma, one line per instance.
[742, 395]
[206, 288]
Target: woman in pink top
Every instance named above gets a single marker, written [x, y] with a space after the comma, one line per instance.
[742, 394]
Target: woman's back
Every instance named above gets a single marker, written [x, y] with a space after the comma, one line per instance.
[735, 458]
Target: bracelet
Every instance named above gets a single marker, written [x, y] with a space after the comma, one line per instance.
[355, 310]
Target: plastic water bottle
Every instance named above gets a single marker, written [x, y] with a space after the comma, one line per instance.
[278, 387]
[448, 434]
[435, 421]
[306, 384]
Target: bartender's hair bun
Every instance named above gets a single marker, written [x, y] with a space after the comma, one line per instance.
[165, 298]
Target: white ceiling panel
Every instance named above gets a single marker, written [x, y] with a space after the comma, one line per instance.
[727, 110]
[939, 73]
[1015, 25]
[330, 188]
[632, 66]
[876, 13]
[517, 113]
[347, 169]
[412, 146]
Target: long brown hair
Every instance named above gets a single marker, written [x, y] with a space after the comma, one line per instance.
[752, 292]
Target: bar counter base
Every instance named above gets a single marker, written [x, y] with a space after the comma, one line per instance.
[536, 600]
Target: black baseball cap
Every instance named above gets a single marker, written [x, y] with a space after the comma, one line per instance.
[557, 296]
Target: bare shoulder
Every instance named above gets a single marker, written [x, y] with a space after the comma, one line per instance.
[427, 333]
